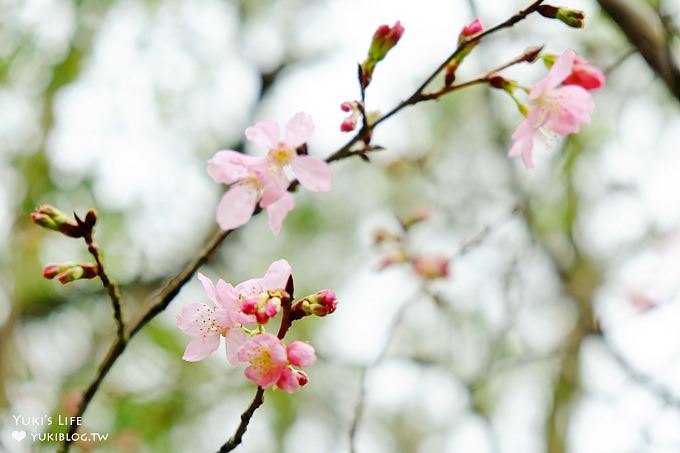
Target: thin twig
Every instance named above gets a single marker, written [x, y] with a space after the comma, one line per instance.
[110, 286]
[236, 439]
[162, 299]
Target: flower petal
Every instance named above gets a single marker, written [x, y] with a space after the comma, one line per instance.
[264, 133]
[559, 71]
[236, 206]
[208, 287]
[299, 129]
[278, 211]
[288, 381]
[192, 318]
[274, 185]
[227, 167]
[277, 275]
[314, 174]
[235, 338]
[201, 347]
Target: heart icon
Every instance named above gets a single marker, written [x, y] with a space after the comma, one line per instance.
[19, 435]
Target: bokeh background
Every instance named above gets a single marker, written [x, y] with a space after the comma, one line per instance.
[556, 332]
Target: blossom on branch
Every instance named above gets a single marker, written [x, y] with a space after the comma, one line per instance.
[271, 362]
[262, 180]
[557, 110]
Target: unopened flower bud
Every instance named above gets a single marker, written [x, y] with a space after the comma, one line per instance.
[69, 272]
[302, 377]
[264, 306]
[582, 74]
[471, 29]
[384, 38]
[572, 17]
[49, 217]
[321, 303]
[350, 122]
[384, 235]
[431, 267]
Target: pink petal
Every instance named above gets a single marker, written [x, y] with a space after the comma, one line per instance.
[275, 184]
[250, 288]
[523, 143]
[208, 286]
[575, 107]
[227, 167]
[192, 318]
[235, 338]
[237, 206]
[559, 71]
[278, 211]
[288, 381]
[299, 129]
[201, 347]
[263, 379]
[225, 296]
[301, 353]
[277, 275]
[264, 133]
[314, 174]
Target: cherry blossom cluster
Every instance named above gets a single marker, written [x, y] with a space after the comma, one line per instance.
[396, 250]
[240, 314]
[263, 180]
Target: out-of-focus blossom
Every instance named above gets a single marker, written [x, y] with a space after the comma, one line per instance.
[556, 109]
[262, 180]
[641, 302]
[431, 267]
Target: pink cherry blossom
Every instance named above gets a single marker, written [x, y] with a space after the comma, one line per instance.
[253, 294]
[556, 109]
[262, 180]
[208, 323]
[267, 357]
[585, 75]
[271, 361]
[431, 267]
[314, 174]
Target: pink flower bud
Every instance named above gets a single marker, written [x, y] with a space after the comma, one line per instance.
[431, 267]
[301, 353]
[52, 270]
[586, 75]
[472, 28]
[347, 106]
[302, 377]
[348, 124]
[272, 307]
[384, 38]
[249, 306]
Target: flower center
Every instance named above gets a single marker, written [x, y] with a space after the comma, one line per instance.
[263, 362]
[281, 156]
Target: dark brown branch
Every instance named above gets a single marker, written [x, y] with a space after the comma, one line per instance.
[110, 286]
[236, 439]
[645, 30]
